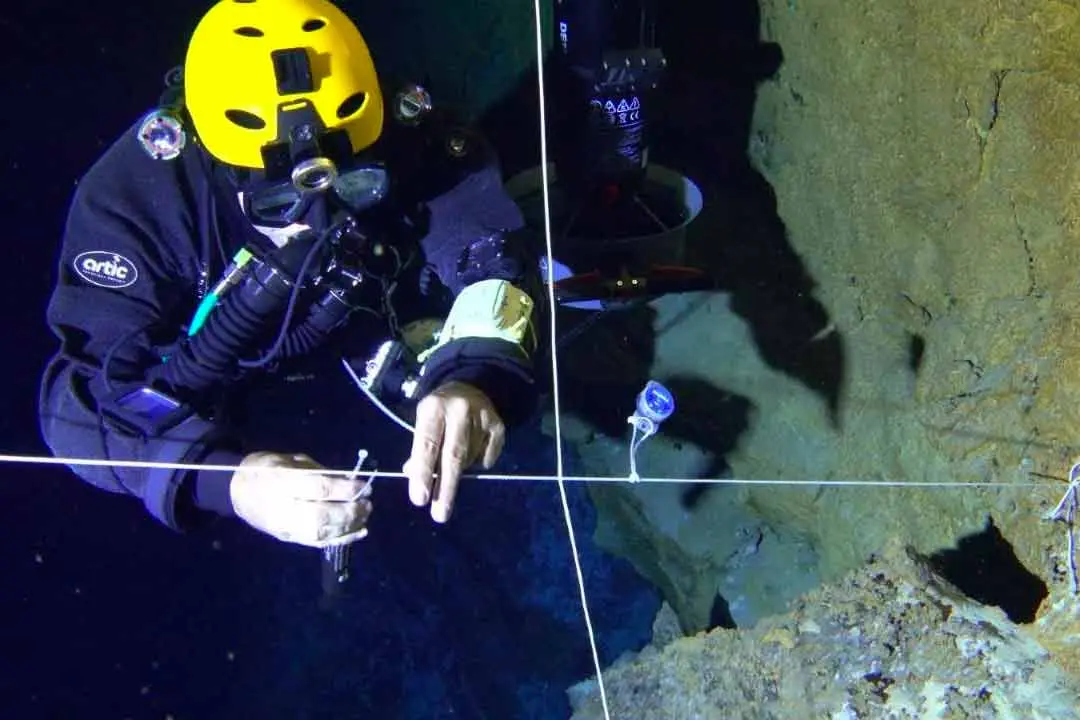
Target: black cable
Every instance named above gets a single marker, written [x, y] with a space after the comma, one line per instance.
[105, 374]
[290, 309]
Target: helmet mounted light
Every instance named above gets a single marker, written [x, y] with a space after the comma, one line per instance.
[305, 151]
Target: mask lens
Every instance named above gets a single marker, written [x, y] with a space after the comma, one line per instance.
[363, 187]
[278, 205]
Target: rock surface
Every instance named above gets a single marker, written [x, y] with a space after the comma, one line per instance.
[926, 225]
[889, 640]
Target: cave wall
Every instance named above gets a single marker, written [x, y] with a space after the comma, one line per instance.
[924, 164]
[924, 160]
[890, 639]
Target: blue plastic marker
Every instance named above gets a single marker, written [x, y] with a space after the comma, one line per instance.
[655, 404]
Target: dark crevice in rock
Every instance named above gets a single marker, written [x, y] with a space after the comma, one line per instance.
[720, 614]
[926, 314]
[985, 568]
[1033, 284]
[994, 109]
[916, 351]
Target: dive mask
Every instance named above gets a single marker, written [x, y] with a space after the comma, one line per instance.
[281, 203]
[307, 163]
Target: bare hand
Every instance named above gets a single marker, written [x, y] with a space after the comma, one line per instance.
[305, 508]
[456, 425]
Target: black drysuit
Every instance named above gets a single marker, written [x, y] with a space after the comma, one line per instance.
[145, 238]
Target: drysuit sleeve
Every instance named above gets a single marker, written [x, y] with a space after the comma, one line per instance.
[126, 276]
[475, 234]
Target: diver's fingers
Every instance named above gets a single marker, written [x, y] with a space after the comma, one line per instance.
[297, 477]
[495, 437]
[348, 526]
[316, 486]
[427, 442]
[344, 539]
[316, 524]
[459, 441]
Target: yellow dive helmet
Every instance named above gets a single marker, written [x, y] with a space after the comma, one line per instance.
[262, 75]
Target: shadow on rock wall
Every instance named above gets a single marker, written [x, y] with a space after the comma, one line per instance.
[716, 62]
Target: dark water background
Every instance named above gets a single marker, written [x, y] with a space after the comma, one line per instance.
[104, 614]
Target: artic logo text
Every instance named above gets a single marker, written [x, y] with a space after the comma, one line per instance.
[106, 269]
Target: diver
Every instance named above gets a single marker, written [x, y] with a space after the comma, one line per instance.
[278, 208]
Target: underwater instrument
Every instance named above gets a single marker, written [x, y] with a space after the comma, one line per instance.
[621, 218]
[625, 285]
[654, 405]
[392, 371]
[335, 558]
[144, 411]
[375, 380]
[606, 76]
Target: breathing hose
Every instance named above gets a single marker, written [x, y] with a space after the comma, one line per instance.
[231, 320]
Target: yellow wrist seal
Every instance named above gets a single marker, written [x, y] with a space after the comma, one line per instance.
[493, 309]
